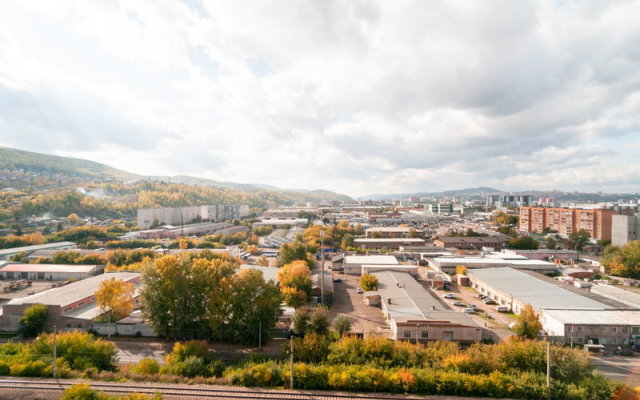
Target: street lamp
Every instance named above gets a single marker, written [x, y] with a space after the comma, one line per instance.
[322, 266]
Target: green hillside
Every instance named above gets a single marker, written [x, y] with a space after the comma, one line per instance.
[13, 159]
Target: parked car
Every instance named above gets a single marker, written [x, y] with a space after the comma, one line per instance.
[449, 296]
[473, 306]
[481, 296]
[337, 280]
[359, 290]
[503, 309]
[459, 304]
[489, 301]
[468, 310]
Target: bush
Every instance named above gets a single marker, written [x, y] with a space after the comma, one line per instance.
[183, 350]
[80, 349]
[146, 366]
[368, 282]
[190, 367]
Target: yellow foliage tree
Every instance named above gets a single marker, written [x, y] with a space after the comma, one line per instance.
[116, 296]
[183, 244]
[35, 238]
[74, 219]
[461, 270]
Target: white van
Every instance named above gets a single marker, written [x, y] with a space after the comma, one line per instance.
[502, 309]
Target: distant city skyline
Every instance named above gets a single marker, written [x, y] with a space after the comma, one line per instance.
[354, 97]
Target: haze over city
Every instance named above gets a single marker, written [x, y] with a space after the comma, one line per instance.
[354, 97]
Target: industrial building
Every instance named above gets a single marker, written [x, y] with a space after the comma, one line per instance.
[387, 243]
[627, 297]
[8, 253]
[544, 254]
[281, 222]
[605, 327]
[472, 242]
[491, 260]
[48, 272]
[515, 289]
[415, 315]
[566, 221]
[352, 265]
[72, 306]
[393, 232]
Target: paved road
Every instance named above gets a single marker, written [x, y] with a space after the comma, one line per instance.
[624, 369]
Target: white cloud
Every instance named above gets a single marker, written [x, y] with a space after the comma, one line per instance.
[354, 96]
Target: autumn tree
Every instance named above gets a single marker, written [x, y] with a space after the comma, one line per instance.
[368, 282]
[295, 283]
[319, 321]
[262, 261]
[74, 219]
[623, 261]
[551, 243]
[461, 270]
[524, 243]
[116, 297]
[33, 320]
[529, 325]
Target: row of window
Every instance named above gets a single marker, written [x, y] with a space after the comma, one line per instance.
[423, 334]
[614, 329]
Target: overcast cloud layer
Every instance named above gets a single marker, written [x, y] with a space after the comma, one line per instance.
[353, 96]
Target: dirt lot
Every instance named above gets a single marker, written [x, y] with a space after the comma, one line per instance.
[364, 319]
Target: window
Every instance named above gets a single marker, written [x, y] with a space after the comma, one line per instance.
[579, 329]
[635, 329]
[625, 330]
[425, 334]
[603, 329]
[614, 329]
[613, 340]
[407, 334]
[580, 340]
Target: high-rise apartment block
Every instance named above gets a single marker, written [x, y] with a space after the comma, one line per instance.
[565, 221]
[625, 228]
[185, 215]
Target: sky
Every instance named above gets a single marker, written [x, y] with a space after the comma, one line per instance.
[354, 96]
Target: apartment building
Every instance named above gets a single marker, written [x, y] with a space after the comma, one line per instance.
[565, 221]
[185, 215]
[625, 228]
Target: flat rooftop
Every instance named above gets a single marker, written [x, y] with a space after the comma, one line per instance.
[47, 268]
[596, 317]
[489, 261]
[73, 292]
[371, 260]
[268, 273]
[410, 301]
[389, 240]
[621, 295]
[35, 247]
[530, 290]
[403, 229]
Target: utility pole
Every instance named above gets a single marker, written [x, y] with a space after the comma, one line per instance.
[417, 329]
[548, 368]
[291, 362]
[55, 354]
[321, 266]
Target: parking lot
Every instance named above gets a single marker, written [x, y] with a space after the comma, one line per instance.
[495, 323]
[364, 319]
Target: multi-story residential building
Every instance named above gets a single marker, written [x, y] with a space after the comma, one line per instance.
[440, 208]
[565, 221]
[503, 201]
[625, 228]
[185, 215]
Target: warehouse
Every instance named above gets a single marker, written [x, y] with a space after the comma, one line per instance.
[415, 315]
[514, 289]
[48, 272]
[8, 253]
[72, 306]
[605, 327]
[353, 264]
[449, 264]
[387, 243]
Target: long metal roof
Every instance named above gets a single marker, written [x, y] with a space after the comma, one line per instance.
[410, 301]
[387, 260]
[35, 247]
[528, 289]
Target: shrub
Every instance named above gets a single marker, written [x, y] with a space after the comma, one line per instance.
[183, 350]
[368, 282]
[190, 367]
[82, 392]
[146, 366]
[80, 349]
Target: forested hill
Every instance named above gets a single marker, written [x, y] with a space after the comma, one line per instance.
[44, 164]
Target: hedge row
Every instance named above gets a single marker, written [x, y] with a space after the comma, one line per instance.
[362, 378]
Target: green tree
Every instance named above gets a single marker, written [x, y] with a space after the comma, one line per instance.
[579, 239]
[290, 252]
[347, 241]
[529, 325]
[524, 243]
[551, 243]
[319, 321]
[368, 282]
[33, 320]
[300, 322]
[342, 325]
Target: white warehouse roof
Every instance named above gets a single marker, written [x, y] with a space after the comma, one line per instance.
[371, 260]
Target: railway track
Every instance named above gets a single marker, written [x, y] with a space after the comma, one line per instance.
[214, 392]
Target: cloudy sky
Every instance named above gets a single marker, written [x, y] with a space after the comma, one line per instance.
[354, 96]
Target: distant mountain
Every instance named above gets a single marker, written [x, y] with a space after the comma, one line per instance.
[13, 159]
[479, 191]
[22, 169]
